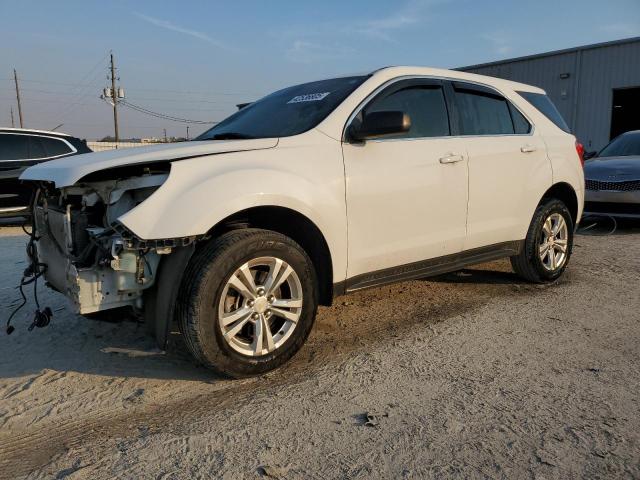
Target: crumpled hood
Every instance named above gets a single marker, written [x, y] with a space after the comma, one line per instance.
[66, 171]
[613, 169]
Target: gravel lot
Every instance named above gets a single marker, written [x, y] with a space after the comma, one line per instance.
[470, 375]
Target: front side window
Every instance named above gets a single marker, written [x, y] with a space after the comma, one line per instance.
[424, 104]
[481, 112]
[14, 147]
[287, 112]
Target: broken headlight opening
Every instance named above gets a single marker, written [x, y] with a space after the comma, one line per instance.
[78, 245]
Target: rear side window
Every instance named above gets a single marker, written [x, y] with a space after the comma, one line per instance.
[547, 108]
[55, 147]
[482, 113]
[425, 105]
[14, 147]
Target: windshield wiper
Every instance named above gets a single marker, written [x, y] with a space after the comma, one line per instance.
[231, 136]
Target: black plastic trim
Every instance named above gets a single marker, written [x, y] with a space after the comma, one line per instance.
[160, 302]
[427, 268]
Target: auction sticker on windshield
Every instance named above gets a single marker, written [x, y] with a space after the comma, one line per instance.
[310, 97]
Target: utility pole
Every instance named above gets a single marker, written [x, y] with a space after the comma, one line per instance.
[165, 135]
[114, 97]
[187, 132]
[13, 124]
[15, 78]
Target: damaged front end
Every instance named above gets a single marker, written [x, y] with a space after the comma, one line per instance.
[89, 256]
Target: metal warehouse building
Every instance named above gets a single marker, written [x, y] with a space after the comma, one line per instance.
[595, 87]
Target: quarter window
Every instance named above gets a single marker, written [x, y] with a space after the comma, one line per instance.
[14, 147]
[483, 113]
[546, 106]
[425, 105]
[55, 147]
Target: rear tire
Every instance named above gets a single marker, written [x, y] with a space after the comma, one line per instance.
[548, 245]
[247, 302]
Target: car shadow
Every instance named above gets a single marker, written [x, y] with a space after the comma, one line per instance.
[606, 226]
[478, 276]
[124, 349]
[94, 347]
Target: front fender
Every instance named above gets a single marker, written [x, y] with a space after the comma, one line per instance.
[201, 192]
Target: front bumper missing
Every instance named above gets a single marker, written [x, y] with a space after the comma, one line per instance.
[97, 287]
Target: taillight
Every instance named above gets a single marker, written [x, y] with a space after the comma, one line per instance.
[580, 150]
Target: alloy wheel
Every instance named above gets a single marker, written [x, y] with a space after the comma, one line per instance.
[260, 306]
[554, 241]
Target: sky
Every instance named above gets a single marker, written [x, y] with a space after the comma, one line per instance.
[198, 59]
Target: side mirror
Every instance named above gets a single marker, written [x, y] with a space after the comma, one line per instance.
[588, 155]
[380, 124]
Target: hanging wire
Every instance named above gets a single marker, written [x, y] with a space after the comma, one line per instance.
[163, 116]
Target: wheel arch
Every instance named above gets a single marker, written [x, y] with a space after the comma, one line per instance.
[566, 193]
[294, 225]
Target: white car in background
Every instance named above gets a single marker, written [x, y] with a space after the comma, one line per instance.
[313, 191]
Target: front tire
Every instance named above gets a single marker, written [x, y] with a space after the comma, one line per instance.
[547, 248]
[247, 302]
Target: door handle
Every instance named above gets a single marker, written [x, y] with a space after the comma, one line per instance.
[451, 158]
[527, 149]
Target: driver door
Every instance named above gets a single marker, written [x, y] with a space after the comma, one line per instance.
[406, 194]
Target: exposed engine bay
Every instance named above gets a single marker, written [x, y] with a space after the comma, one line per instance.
[89, 256]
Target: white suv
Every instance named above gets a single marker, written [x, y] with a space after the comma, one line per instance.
[311, 192]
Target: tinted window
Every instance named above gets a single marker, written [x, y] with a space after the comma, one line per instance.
[625, 145]
[14, 147]
[425, 105]
[482, 113]
[286, 112]
[36, 149]
[54, 147]
[521, 125]
[79, 145]
[547, 108]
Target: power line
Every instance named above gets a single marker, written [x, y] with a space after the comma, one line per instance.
[191, 92]
[67, 111]
[172, 100]
[47, 100]
[97, 102]
[48, 92]
[179, 92]
[163, 116]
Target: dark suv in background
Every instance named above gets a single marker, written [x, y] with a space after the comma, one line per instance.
[21, 148]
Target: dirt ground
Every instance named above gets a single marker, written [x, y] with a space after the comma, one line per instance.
[470, 375]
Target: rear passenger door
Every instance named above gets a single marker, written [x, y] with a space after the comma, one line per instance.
[508, 165]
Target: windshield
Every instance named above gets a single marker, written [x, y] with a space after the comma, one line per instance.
[286, 112]
[625, 145]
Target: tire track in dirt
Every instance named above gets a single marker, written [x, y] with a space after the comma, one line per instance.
[354, 325]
